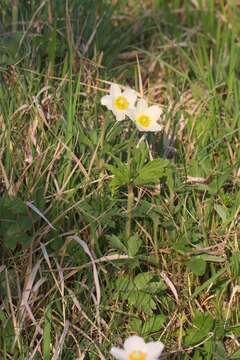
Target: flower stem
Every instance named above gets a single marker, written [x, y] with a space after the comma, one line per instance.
[129, 210]
[130, 201]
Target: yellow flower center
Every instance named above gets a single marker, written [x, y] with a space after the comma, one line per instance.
[144, 120]
[137, 355]
[121, 103]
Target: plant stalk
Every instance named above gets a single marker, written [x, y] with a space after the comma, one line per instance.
[129, 210]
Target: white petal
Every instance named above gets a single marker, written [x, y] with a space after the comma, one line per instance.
[134, 343]
[131, 113]
[140, 128]
[154, 111]
[107, 101]
[141, 106]
[120, 115]
[154, 350]
[118, 353]
[154, 126]
[115, 90]
[131, 96]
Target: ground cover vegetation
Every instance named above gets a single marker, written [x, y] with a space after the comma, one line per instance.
[107, 231]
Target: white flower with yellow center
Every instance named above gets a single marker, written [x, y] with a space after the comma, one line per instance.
[135, 348]
[146, 118]
[120, 103]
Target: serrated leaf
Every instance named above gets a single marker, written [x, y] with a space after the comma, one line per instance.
[142, 301]
[136, 325]
[116, 243]
[134, 243]
[124, 286]
[202, 325]
[151, 172]
[120, 172]
[155, 287]
[219, 351]
[153, 324]
[142, 279]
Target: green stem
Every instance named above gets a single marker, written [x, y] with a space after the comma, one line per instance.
[129, 210]
[130, 202]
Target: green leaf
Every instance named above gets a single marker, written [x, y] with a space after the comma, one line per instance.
[142, 279]
[116, 243]
[121, 175]
[26, 223]
[142, 301]
[151, 172]
[140, 155]
[124, 286]
[15, 222]
[153, 324]
[136, 325]
[208, 282]
[220, 329]
[9, 206]
[181, 247]
[235, 329]
[197, 266]
[235, 263]
[47, 334]
[120, 172]
[154, 287]
[219, 351]
[222, 212]
[202, 325]
[212, 258]
[134, 244]
[197, 355]
[13, 235]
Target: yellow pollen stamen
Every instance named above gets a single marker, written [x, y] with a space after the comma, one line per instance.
[121, 103]
[137, 355]
[144, 120]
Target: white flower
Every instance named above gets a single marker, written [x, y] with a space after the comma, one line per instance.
[135, 348]
[120, 103]
[146, 118]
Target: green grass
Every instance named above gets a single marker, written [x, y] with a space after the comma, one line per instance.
[177, 279]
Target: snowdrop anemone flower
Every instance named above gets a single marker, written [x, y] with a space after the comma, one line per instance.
[120, 103]
[135, 348]
[146, 118]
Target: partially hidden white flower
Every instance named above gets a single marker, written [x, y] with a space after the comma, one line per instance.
[120, 103]
[135, 348]
[146, 118]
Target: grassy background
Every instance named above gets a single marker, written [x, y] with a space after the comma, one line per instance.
[178, 279]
